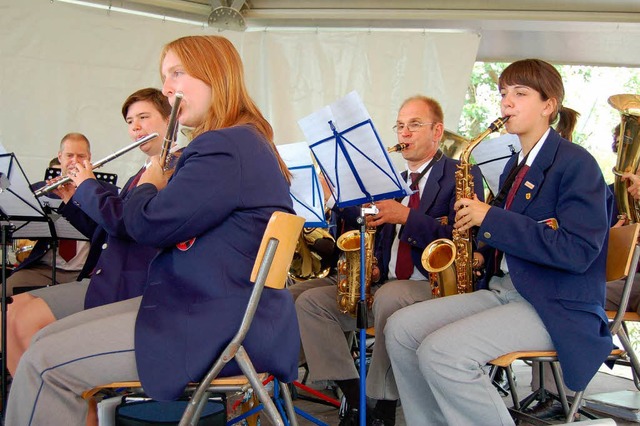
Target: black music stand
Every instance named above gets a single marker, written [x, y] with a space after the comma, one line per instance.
[22, 215]
[358, 169]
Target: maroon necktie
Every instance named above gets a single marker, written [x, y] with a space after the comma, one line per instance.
[136, 179]
[67, 249]
[510, 196]
[404, 263]
[516, 184]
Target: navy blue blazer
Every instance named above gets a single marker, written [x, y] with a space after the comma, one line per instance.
[208, 223]
[560, 272]
[425, 224]
[116, 263]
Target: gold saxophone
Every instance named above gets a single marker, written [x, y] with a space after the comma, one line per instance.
[450, 262]
[349, 270]
[628, 159]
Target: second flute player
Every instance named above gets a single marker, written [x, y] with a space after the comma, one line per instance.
[118, 263]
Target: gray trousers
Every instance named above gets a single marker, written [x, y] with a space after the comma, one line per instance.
[322, 328]
[68, 357]
[38, 276]
[439, 350]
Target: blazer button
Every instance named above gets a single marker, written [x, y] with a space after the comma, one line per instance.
[98, 272]
[487, 234]
[104, 246]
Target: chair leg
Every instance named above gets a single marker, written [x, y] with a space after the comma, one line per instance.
[555, 369]
[512, 387]
[288, 403]
[633, 358]
[248, 370]
[575, 406]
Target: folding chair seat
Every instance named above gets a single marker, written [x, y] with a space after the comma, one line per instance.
[270, 270]
[622, 259]
[630, 358]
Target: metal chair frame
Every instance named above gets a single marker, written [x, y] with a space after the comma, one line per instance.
[270, 268]
[621, 264]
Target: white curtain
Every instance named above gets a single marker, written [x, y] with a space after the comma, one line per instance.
[67, 68]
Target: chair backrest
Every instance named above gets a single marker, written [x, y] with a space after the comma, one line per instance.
[622, 242]
[285, 228]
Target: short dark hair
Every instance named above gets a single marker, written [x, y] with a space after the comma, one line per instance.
[150, 94]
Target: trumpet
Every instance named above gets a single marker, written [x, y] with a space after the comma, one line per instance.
[46, 189]
[397, 148]
[166, 157]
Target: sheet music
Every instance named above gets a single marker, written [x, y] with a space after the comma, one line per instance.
[16, 196]
[347, 147]
[306, 192]
[34, 230]
[20, 207]
[492, 155]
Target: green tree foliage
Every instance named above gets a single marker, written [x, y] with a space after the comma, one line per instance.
[587, 90]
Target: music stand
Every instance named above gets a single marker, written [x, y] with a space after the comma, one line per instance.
[22, 215]
[305, 190]
[359, 171]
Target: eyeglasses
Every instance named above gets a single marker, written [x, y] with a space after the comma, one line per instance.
[414, 126]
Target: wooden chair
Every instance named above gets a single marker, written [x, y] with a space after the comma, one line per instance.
[270, 270]
[622, 259]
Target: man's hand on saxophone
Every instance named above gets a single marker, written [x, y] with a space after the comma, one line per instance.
[470, 213]
[389, 211]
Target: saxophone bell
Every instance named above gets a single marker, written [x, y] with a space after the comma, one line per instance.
[438, 259]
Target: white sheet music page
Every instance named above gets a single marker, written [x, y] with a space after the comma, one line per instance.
[305, 190]
[347, 147]
[16, 197]
[492, 155]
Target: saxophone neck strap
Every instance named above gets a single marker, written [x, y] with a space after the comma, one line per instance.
[434, 160]
[508, 182]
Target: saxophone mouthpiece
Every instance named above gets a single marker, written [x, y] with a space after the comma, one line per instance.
[397, 148]
[499, 123]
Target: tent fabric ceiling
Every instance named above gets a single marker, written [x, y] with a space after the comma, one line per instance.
[591, 32]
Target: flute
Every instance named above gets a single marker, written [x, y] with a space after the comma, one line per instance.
[172, 134]
[46, 189]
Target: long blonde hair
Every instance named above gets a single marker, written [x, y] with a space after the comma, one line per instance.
[216, 62]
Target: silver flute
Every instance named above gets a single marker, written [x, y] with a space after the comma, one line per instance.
[48, 188]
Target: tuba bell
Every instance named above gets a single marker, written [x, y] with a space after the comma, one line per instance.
[628, 158]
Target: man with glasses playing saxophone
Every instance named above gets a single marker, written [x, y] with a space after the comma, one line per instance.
[116, 268]
[406, 227]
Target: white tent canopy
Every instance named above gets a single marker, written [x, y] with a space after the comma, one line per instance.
[66, 67]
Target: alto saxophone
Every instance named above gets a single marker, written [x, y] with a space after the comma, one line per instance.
[450, 262]
[349, 270]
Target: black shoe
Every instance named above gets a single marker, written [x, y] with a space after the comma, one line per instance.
[547, 409]
[350, 418]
